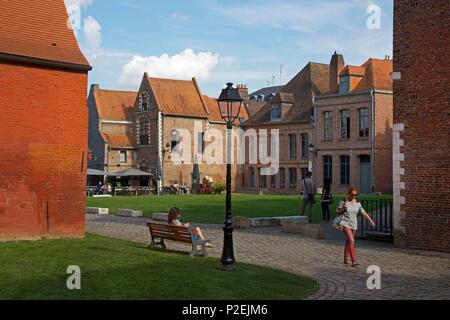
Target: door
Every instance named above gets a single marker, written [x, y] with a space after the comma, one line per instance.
[365, 174]
[252, 178]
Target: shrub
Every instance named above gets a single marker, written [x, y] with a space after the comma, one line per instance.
[219, 187]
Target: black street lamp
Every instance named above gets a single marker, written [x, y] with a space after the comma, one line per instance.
[230, 103]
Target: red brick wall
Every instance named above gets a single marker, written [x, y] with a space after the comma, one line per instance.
[43, 137]
[422, 104]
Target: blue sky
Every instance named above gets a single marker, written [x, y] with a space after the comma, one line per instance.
[221, 41]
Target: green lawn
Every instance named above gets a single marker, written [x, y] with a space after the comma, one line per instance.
[211, 208]
[115, 269]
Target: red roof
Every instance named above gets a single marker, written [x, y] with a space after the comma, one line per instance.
[374, 74]
[178, 97]
[38, 29]
[114, 105]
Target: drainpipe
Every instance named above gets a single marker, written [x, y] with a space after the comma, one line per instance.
[314, 139]
[372, 157]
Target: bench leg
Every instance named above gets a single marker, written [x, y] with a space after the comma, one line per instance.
[152, 244]
[194, 250]
[205, 254]
[163, 245]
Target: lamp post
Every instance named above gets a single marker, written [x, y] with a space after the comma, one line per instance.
[230, 103]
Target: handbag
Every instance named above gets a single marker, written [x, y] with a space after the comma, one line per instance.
[337, 223]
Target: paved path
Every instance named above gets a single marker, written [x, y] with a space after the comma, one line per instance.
[405, 274]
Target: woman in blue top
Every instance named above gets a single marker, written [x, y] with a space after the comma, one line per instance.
[349, 210]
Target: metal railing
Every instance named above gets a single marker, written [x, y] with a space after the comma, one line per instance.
[381, 211]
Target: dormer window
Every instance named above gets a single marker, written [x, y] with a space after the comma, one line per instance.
[261, 98]
[275, 114]
[344, 86]
[271, 96]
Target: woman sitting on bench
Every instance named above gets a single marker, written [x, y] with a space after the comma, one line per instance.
[174, 220]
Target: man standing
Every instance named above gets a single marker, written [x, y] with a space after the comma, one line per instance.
[309, 195]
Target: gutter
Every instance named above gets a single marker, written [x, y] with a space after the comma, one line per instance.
[44, 62]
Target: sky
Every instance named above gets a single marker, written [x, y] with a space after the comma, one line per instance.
[244, 42]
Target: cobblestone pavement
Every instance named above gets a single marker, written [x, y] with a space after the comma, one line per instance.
[405, 274]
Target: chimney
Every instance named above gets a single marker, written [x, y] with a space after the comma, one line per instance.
[337, 64]
[243, 91]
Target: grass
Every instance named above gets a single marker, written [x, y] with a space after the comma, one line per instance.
[115, 269]
[211, 208]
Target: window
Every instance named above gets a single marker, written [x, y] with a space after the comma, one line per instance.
[364, 123]
[252, 178]
[328, 168]
[275, 114]
[144, 131]
[305, 146]
[273, 183]
[262, 180]
[143, 102]
[175, 139]
[344, 87]
[304, 173]
[328, 125]
[293, 147]
[345, 124]
[345, 170]
[293, 178]
[200, 142]
[282, 178]
[123, 156]
[243, 180]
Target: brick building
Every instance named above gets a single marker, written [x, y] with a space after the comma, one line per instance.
[421, 124]
[353, 128]
[141, 129]
[43, 136]
[112, 147]
[289, 110]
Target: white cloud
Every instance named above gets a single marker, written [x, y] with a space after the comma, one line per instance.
[92, 36]
[179, 16]
[182, 66]
[78, 3]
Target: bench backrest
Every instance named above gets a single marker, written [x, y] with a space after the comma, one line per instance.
[165, 231]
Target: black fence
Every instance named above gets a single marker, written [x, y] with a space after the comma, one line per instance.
[381, 212]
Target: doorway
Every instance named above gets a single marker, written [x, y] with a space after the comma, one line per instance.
[365, 174]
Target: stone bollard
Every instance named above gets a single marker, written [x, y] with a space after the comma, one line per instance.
[241, 223]
[313, 231]
[100, 211]
[129, 213]
[160, 217]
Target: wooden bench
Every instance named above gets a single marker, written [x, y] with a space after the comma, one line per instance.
[161, 232]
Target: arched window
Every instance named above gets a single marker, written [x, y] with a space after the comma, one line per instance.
[175, 139]
[143, 131]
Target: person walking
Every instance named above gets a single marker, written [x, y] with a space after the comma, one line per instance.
[309, 196]
[326, 200]
[348, 211]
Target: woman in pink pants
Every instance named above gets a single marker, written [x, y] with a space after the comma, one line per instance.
[349, 210]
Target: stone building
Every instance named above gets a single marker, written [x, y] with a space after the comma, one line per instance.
[421, 124]
[290, 111]
[144, 129]
[353, 128]
[43, 136]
